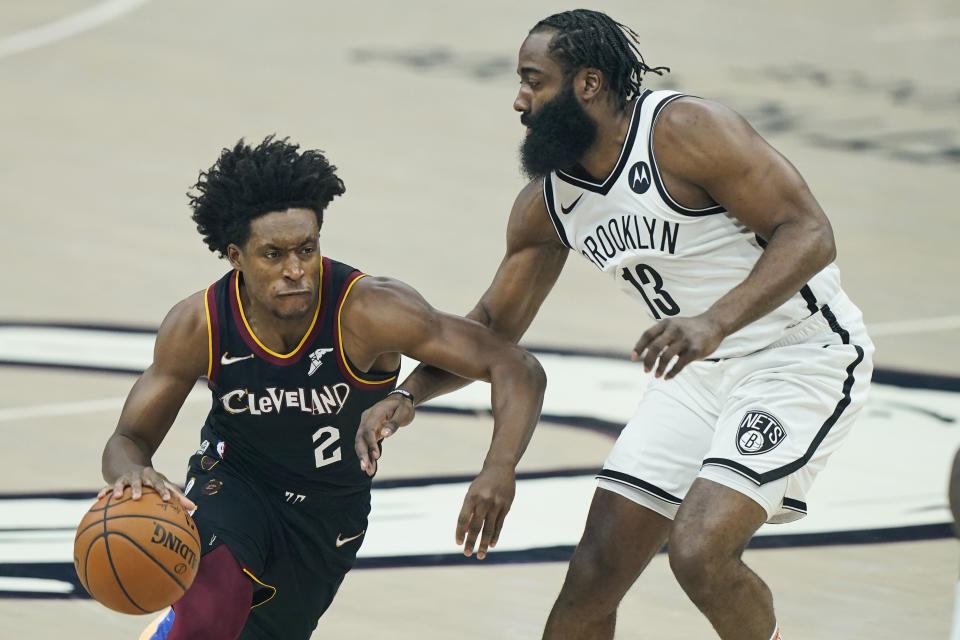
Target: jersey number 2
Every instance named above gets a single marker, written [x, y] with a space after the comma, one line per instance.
[328, 437]
[646, 276]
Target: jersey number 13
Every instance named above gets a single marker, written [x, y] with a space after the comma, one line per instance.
[650, 285]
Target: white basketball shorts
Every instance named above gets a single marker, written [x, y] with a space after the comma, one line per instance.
[763, 424]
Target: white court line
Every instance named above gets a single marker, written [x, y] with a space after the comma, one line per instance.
[78, 408]
[66, 27]
[921, 325]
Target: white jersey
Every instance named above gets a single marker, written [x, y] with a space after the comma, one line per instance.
[675, 261]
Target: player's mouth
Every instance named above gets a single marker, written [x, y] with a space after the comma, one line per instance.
[294, 294]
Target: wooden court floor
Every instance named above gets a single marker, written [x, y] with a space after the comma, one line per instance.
[111, 107]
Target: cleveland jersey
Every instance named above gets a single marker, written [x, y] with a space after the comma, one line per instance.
[288, 419]
[674, 260]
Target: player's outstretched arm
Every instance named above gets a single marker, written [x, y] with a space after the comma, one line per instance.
[533, 261]
[180, 356]
[708, 151]
[385, 316]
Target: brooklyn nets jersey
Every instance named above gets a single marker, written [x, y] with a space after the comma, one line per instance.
[288, 419]
[675, 261]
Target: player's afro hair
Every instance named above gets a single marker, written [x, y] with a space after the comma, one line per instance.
[248, 182]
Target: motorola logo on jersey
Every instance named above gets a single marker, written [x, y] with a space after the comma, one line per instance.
[759, 432]
[326, 399]
[639, 177]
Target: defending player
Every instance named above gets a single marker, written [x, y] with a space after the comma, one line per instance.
[295, 347]
[761, 361]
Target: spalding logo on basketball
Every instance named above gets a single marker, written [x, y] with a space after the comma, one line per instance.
[136, 556]
[759, 432]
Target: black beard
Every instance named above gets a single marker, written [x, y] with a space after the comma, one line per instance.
[560, 134]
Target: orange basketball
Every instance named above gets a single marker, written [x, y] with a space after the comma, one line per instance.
[136, 556]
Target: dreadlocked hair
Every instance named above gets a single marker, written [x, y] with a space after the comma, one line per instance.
[248, 182]
[593, 39]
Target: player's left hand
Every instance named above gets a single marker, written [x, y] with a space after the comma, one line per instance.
[683, 339]
[484, 509]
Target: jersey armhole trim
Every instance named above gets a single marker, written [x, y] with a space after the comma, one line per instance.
[655, 170]
[342, 359]
[213, 333]
[552, 211]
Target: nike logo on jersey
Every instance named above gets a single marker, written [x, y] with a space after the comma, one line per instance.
[567, 210]
[225, 359]
[342, 541]
[316, 359]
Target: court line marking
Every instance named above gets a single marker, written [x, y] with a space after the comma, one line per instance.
[68, 26]
[922, 325]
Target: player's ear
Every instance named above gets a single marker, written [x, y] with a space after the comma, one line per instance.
[589, 82]
[233, 255]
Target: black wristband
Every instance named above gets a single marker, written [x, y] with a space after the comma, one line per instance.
[406, 394]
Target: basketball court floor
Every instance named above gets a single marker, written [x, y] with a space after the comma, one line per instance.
[111, 107]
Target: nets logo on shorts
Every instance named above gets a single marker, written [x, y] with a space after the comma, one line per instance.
[759, 432]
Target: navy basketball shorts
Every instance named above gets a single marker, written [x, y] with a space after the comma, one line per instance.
[763, 424]
[295, 547]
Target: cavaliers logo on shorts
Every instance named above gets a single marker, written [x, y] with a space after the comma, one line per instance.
[759, 432]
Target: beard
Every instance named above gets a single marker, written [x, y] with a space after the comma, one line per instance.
[560, 133]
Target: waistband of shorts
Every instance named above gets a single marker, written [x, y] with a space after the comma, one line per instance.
[836, 316]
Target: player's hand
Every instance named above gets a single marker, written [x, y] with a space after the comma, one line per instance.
[683, 339]
[484, 509]
[137, 478]
[378, 422]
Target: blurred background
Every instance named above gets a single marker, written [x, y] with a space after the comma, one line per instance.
[110, 108]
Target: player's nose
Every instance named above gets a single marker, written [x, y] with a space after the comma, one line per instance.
[521, 103]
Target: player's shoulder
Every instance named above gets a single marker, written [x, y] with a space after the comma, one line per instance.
[370, 294]
[692, 119]
[187, 317]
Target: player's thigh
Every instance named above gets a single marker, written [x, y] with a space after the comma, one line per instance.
[314, 545]
[659, 452]
[788, 410]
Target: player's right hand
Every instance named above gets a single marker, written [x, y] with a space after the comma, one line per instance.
[136, 479]
[378, 422]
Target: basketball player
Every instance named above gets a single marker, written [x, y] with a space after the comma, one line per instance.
[760, 360]
[295, 346]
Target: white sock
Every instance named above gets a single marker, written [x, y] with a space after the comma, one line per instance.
[955, 634]
[776, 634]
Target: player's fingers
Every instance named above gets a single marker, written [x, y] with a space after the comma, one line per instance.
[646, 338]
[136, 487]
[688, 356]
[104, 491]
[186, 502]
[366, 446]
[119, 486]
[668, 354]
[463, 520]
[158, 482]
[653, 352]
[490, 531]
[476, 525]
[498, 527]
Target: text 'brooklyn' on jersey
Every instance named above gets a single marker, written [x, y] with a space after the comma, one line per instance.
[676, 261]
[289, 419]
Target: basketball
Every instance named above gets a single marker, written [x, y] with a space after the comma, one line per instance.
[136, 556]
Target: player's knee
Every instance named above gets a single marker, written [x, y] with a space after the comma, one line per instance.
[695, 560]
[590, 575]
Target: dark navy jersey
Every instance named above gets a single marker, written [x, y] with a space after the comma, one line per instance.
[288, 419]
